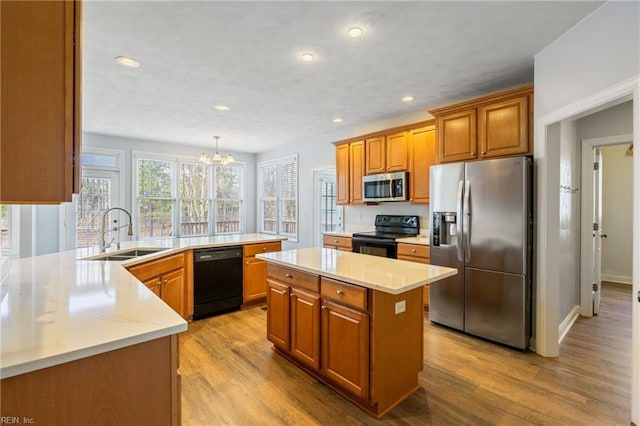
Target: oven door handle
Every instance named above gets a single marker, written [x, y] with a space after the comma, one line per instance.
[373, 241]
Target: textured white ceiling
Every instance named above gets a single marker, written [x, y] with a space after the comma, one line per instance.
[245, 55]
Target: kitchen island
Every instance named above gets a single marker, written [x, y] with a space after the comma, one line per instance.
[85, 342]
[352, 321]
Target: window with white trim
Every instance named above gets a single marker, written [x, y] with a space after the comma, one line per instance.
[278, 197]
[9, 230]
[176, 197]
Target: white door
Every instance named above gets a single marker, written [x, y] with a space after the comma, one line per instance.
[598, 233]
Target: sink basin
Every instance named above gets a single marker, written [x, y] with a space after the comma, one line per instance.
[126, 255]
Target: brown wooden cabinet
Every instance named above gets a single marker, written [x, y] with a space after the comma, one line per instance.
[350, 167]
[293, 314]
[422, 155]
[337, 242]
[415, 253]
[167, 278]
[254, 271]
[343, 170]
[492, 126]
[387, 153]
[40, 98]
[365, 344]
[356, 171]
[137, 384]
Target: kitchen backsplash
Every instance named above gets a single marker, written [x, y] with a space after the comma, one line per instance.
[361, 218]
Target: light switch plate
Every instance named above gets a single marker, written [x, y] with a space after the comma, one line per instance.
[401, 306]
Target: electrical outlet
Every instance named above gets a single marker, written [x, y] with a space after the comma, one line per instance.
[401, 306]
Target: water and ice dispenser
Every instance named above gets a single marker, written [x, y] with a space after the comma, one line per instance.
[444, 228]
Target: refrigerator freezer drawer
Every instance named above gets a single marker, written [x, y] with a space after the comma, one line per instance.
[446, 301]
[496, 307]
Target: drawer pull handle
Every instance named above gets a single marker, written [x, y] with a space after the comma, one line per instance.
[339, 292]
[264, 249]
[413, 250]
[288, 276]
[336, 241]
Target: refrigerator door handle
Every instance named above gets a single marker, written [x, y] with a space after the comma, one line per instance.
[466, 227]
[459, 212]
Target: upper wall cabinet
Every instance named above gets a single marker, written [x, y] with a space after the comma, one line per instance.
[422, 155]
[387, 153]
[410, 148]
[40, 101]
[492, 126]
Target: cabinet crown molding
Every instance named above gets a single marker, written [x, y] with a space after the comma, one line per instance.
[475, 102]
[385, 132]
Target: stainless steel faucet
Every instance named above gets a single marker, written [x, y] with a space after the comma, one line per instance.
[103, 242]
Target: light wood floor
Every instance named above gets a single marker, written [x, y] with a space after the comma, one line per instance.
[230, 375]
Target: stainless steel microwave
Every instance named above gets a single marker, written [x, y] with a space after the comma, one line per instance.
[385, 187]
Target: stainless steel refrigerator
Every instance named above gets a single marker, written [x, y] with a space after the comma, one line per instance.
[482, 224]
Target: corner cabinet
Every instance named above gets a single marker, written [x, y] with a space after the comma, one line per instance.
[167, 278]
[254, 271]
[40, 111]
[348, 337]
[497, 125]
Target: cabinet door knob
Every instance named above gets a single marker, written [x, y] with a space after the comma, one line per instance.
[165, 282]
[290, 294]
[472, 154]
[323, 307]
[288, 275]
[483, 152]
[339, 292]
[264, 249]
[413, 250]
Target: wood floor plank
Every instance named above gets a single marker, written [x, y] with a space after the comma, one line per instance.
[231, 375]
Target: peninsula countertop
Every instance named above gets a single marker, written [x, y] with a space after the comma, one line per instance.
[61, 307]
[378, 273]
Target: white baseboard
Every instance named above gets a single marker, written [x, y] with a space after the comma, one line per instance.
[568, 321]
[622, 279]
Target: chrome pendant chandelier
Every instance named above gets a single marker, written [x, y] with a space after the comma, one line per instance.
[217, 158]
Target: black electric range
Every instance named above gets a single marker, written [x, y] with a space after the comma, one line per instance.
[388, 228]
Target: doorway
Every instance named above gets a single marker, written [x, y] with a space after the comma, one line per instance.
[617, 192]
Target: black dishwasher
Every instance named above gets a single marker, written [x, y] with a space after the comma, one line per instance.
[217, 280]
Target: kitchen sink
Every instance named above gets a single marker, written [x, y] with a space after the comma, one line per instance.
[125, 255]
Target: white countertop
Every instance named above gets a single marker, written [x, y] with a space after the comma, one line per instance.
[378, 273]
[58, 308]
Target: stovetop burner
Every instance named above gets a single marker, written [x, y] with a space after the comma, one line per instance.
[390, 227]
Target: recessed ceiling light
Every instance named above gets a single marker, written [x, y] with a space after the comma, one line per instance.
[221, 107]
[127, 62]
[355, 32]
[307, 57]
[407, 99]
[337, 120]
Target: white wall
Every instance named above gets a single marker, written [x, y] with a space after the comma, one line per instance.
[569, 217]
[318, 153]
[595, 61]
[617, 214]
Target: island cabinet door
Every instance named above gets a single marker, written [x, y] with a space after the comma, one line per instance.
[305, 327]
[345, 348]
[278, 314]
